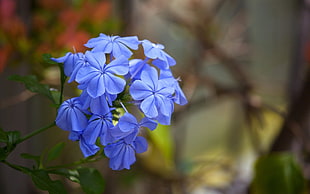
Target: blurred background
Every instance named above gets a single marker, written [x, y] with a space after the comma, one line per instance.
[244, 66]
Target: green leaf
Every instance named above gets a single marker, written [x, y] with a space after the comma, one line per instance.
[31, 157]
[56, 96]
[91, 180]
[72, 175]
[55, 151]
[42, 181]
[13, 138]
[3, 136]
[32, 84]
[278, 174]
[47, 58]
[9, 139]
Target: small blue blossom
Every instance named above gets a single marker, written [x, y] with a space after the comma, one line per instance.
[100, 78]
[136, 67]
[99, 105]
[153, 94]
[155, 51]
[71, 116]
[115, 45]
[179, 98]
[69, 61]
[86, 148]
[128, 127]
[99, 126]
[122, 154]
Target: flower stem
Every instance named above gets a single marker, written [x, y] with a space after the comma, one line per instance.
[36, 132]
[123, 106]
[16, 167]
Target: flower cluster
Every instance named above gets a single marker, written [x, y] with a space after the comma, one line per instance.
[111, 78]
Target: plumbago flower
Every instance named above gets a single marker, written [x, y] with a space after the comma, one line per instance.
[114, 45]
[110, 78]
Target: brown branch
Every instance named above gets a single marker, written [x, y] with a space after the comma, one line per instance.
[297, 118]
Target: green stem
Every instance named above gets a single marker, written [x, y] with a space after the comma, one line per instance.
[16, 167]
[76, 163]
[63, 78]
[36, 132]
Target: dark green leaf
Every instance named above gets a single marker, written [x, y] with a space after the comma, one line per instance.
[9, 140]
[55, 151]
[13, 138]
[42, 181]
[56, 96]
[47, 58]
[3, 136]
[32, 84]
[278, 174]
[31, 157]
[72, 175]
[91, 180]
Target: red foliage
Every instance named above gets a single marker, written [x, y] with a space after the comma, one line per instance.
[56, 26]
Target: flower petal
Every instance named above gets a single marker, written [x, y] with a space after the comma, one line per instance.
[140, 144]
[150, 78]
[92, 131]
[88, 149]
[114, 84]
[127, 122]
[148, 107]
[112, 150]
[96, 87]
[130, 41]
[119, 66]
[146, 122]
[139, 90]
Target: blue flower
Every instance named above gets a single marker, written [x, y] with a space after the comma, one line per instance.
[179, 97]
[99, 105]
[155, 51]
[69, 61]
[136, 67]
[115, 45]
[86, 148]
[128, 127]
[71, 116]
[153, 94]
[151, 86]
[99, 126]
[122, 154]
[99, 78]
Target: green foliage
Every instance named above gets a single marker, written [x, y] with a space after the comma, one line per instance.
[9, 140]
[42, 180]
[278, 174]
[47, 59]
[32, 84]
[91, 180]
[31, 157]
[55, 151]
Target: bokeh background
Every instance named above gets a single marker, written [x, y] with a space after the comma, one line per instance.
[244, 66]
